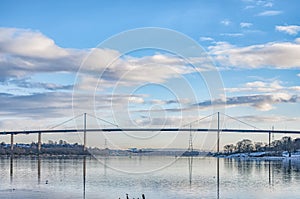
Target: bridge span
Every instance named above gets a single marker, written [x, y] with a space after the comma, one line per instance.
[119, 129]
[203, 130]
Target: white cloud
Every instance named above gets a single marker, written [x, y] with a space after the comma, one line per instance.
[291, 30]
[249, 7]
[226, 22]
[262, 102]
[269, 4]
[297, 40]
[24, 52]
[245, 25]
[269, 118]
[298, 74]
[282, 55]
[274, 86]
[233, 34]
[270, 13]
[261, 86]
[206, 39]
[258, 3]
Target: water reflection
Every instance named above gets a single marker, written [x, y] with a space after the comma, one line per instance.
[11, 168]
[105, 165]
[84, 175]
[39, 169]
[204, 174]
[218, 178]
[190, 163]
[273, 172]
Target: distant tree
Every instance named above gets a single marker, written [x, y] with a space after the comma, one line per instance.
[276, 145]
[284, 144]
[259, 146]
[229, 148]
[296, 144]
[287, 144]
[244, 146]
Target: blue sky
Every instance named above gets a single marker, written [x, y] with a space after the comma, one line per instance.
[254, 46]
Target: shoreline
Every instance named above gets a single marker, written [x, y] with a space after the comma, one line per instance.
[264, 156]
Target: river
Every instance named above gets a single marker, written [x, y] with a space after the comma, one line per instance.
[155, 176]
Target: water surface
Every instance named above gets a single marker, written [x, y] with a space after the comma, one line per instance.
[156, 177]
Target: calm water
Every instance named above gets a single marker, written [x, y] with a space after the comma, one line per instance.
[156, 177]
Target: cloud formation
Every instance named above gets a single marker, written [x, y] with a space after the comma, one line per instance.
[245, 25]
[226, 22]
[25, 52]
[265, 87]
[261, 102]
[270, 13]
[291, 30]
[281, 55]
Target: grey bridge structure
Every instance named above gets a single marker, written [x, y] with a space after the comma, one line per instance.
[116, 128]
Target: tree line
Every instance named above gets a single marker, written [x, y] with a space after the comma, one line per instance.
[245, 146]
[51, 148]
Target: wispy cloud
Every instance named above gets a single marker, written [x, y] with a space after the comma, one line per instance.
[232, 34]
[206, 39]
[268, 118]
[245, 25]
[274, 86]
[260, 102]
[268, 4]
[283, 55]
[29, 84]
[249, 7]
[269, 13]
[291, 30]
[226, 22]
[260, 3]
[298, 74]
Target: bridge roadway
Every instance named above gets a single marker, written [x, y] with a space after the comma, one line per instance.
[149, 129]
[85, 130]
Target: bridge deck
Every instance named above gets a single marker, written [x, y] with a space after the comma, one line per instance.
[149, 129]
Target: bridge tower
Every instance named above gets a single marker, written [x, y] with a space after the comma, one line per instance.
[190, 140]
[84, 132]
[218, 134]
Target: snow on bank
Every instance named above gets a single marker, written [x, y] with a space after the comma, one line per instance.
[264, 156]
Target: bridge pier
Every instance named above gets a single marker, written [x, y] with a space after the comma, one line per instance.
[39, 142]
[11, 143]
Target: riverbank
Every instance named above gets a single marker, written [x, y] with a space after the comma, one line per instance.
[275, 156]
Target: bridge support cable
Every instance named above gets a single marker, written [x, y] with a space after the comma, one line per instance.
[103, 120]
[198, 120]
[53, 127]
[252, 126]
[62, 123]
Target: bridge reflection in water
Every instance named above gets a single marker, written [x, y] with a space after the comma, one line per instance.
[281, 170]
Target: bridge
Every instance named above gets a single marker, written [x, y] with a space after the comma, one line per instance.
[116, 128]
